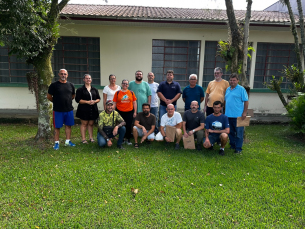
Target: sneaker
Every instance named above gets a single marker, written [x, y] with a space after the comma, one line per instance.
[211, 148]
[221, 152]
[199, 147]
[128, 142]
[56, 146]
[236, 151]
[177, 146]
[120, 147]
[69, 144]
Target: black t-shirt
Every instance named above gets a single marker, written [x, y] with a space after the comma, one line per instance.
[193, 120]
[62, 96]
[147, 122]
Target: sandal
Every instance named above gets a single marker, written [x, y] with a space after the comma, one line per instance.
[84, 142]
[136, 145]
[92, 140]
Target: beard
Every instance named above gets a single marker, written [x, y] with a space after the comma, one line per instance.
[146, 113]
[139, 78]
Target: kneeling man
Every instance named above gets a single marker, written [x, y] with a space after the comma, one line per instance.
[216, 128]
[110, 124]
[144, 125]
[193, 123]
[171, 118]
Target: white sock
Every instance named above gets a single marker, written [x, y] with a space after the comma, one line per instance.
[222, 148]
[67, 141]
[56, 142]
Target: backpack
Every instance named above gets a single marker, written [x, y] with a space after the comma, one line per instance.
[117, 94]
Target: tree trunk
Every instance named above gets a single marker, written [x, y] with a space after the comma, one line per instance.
[277, 88]
[300, 9]
[45, 75]
[296, 42]
[244, 80]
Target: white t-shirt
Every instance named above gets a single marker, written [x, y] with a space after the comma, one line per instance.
[109, 92]
[154, 96]
[172, 121]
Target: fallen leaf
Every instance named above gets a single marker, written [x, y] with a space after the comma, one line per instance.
[192, 184]
[208, 174]
[106, 202]
[220, 184]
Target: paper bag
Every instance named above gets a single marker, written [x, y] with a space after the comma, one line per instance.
[170, 132]
[189, 142]
[245, 122]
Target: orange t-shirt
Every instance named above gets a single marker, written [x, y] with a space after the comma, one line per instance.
[124, 100]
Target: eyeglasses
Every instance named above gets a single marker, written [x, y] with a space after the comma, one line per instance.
[192, 79]
[112, 79]
[124, 83]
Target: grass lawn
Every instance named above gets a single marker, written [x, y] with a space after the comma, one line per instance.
[89, 187]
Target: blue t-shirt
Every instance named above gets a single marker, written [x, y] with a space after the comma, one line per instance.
[169, 91]
[213, 122]
[191, 94]
[235, 101]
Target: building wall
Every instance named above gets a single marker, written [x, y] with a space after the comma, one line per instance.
[125, 49]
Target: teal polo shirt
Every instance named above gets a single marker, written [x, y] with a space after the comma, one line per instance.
[235, 99]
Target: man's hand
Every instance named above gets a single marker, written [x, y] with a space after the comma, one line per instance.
[207, 143]
[168, 139]
[168, 101]
[204, 109]
[190, 133]
[144, 131]
[109, 143]
[134, 114]
[243, 116]
[185, 135]
[143, 138]
[211, 131]
[115, 130]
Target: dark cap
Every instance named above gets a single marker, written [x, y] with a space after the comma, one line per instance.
[109, 101]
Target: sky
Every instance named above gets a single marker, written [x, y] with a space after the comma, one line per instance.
[202, 4]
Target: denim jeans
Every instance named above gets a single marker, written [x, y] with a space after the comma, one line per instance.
[236, 135]
[162, 111]
[154, 111]
[102, 141]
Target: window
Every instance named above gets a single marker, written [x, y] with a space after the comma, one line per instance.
[79, 55]
[12, 69]
[180, 56]
[270, 61]
[211, 61]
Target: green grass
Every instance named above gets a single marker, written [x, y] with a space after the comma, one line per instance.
[89, 187]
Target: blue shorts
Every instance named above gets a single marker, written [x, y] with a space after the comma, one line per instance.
[61, 118]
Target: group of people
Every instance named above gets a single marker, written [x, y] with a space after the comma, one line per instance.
[133, 109]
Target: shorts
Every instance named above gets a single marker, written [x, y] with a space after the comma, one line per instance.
[141, 134]
[213, 138]
[61, 118]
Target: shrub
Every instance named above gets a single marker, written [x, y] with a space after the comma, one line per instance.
[296, 111]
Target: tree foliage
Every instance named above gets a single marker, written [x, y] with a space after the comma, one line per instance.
[30, 29]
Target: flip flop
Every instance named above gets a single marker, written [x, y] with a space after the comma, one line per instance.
[136, 145]
[92, 140]
[84, 142]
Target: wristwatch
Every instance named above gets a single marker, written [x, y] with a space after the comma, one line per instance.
[107, 139]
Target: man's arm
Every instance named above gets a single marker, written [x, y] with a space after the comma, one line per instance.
[149, 99]
[206, 101]
[179, 125]
[161, 96]
[73, 96]
[226, 131]
[246, 104]
[201, 99]
[50, 97]
[176, 98]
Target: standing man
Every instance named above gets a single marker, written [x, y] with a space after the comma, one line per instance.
[171, 118]
[169, 92]
[141, 90]
[216, 129]
[193, 123]
[216, 91]
[110, 124]
[144, 125]
[154, 98]
[192, 92]
[61, 93]
[236, 99]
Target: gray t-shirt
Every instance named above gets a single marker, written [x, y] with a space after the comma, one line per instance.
[193, 120]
